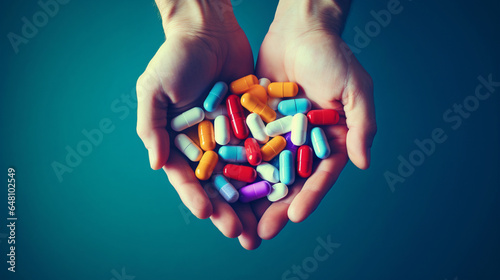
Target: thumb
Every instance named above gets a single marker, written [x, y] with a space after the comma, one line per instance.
[152, 119]
[360, 118]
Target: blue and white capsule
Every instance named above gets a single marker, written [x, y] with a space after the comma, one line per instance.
[215, 96]
[233, 154]
[291, 107]
[226, 189]
[287, 167]
[320, 143]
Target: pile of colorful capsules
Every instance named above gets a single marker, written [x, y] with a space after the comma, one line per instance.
[276, 161]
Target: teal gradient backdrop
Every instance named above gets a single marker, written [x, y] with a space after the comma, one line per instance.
[112, 217]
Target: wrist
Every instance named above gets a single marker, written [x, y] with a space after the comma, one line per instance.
[196, 16]
[305, 15]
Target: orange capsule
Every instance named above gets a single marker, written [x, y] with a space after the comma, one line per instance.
[254, 105]
[206, 165]
[207, 135]
[273, 148]
[260, 92]
[242, 85]
[283, 89]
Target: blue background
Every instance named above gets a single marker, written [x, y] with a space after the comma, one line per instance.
[112, 212]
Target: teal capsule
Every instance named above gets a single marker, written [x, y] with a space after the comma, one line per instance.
[287, 167]
[233, 153]
[226, 189]
[320, 143]
[291, 107]
[215, 96]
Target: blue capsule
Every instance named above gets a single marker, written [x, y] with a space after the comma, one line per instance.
[226, 189]
[215, 96]
[233, 153]
[291, 107]
[320, 143]
[287, 167]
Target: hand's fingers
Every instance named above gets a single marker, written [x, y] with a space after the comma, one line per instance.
[152, 119]
[248, 238]
[360, 113]
[223, 216]
[275, 218]
[320, 182]
[182, 178]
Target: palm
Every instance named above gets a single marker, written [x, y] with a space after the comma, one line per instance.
[178, 76]
[315, 61]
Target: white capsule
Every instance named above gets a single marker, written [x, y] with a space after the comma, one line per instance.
[220, 110]
[188, 119]
[264, 82]
[221, 130]
[299, 129]
[268, 172]
[257, 128]
[273, 103]
[279, 191]
[188, 147]
[279, 126]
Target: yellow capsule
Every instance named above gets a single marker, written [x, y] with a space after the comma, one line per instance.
[206, 165]
[254, 105]
[243, 84]
[260, 92]
[272, 148]
[207, 135]
[283, 89]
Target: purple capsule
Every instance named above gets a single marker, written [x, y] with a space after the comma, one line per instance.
[255, 191]
[289, 145]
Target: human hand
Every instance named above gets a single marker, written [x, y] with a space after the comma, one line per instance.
[308, 50]
[204, 44]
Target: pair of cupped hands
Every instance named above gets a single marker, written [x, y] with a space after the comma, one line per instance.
[204, 45]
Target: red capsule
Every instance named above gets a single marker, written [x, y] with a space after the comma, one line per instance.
[237, 117]
[304, 161]
[240, 173]
[323, 117]
[252, 149]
